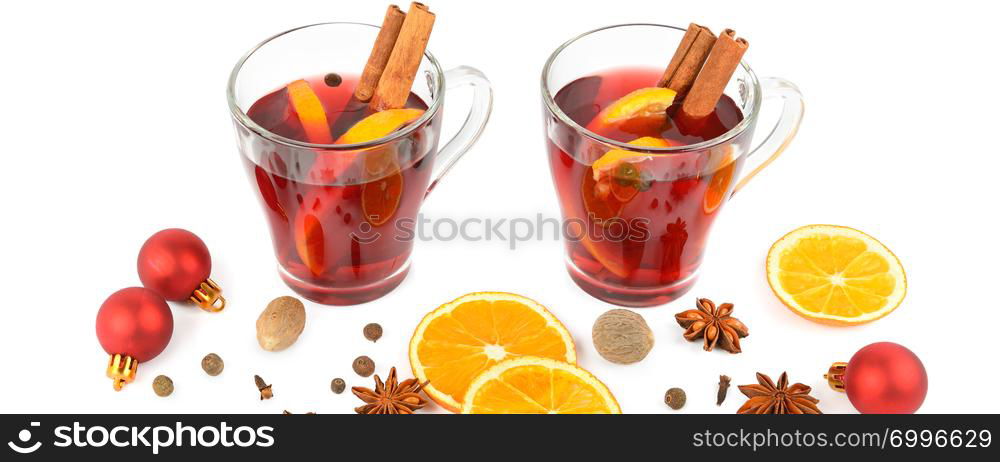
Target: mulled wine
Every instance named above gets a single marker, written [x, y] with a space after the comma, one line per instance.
[332, 212]
[641, 217]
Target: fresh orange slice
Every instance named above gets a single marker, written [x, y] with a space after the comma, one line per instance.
[310, 111]
[649, 102]
[835, 275]
[531, 385]
[378, 125]
[461, 339]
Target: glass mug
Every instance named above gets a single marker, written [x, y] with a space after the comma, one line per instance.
[334, 238]
[643, 247]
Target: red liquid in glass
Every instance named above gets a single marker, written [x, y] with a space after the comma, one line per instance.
[332, 214]
[646, 223]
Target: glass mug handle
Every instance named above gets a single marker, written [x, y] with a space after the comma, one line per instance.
[786, 128]
[475, 120]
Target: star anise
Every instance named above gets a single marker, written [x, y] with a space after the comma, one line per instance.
[391, 397]
[768, 398]
[715, 324]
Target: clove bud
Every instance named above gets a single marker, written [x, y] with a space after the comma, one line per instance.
[264, 388]
[723, 389]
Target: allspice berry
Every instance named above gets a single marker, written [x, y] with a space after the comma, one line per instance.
[364, 366]
[622, 336]
[212, 364]
[373, 331]
[163, 386]
[675, 398]
[332, 79]
[338, 385]
[281, 323]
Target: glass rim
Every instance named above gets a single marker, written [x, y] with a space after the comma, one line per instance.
[240, 115]
[554, 108]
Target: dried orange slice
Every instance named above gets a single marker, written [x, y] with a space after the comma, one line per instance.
[310, 112]
[459, 340]
[642, 103]
[378, 125]
[531, 385]
[835, 275]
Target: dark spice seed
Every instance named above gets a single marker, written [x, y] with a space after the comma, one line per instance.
[338, 385]
[212, 364]
[373, 331]
[163, 386]
[332, 79]
[364, 366]
[675, 398]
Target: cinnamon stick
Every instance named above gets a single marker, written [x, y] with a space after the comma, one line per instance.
[714, 76]
[688, 59]
[384, 44]
[394, 85]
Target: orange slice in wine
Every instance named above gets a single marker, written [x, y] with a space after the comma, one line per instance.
[645, 107]
[378, 125]
[718, 187]
[604, 197]
[310, 242]
[380, 198]
[612, 158]
[310, 112]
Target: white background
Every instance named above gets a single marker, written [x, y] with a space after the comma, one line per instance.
[114, 125]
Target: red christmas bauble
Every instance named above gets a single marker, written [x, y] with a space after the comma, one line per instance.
[885, 378]
[174, 263]
[135, 322]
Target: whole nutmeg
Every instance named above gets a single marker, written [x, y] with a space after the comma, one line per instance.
[281, 323]
[675, 398]
[622, 336]
[363, 366]
[163, 386]
[212, 364]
